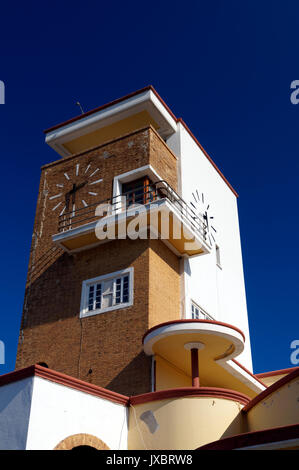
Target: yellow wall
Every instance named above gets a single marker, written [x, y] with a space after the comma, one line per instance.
[271, 379]
[185, 423]
[281, 408]
[108, 133]
[167, 376]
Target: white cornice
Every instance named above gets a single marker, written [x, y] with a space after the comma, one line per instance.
[145, 101]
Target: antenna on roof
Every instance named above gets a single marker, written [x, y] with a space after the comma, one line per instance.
[79, 104]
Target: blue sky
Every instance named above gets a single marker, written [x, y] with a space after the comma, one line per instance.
[225, 67]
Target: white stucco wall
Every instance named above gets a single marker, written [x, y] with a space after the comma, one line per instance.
[15, 404]
[221, 292]
[58, 412]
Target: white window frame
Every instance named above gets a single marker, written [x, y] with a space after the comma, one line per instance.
[84, 312]
[205, 315]
[146, 170]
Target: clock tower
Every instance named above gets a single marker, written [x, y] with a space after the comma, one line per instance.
[89, 302]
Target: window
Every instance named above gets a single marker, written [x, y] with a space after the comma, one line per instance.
[108, 292]
[140, 191]
[218, 259]
[199, 313]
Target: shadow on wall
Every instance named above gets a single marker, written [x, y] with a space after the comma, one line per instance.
[15, 405]
[136, 374]
[105, 349]
[237, 426]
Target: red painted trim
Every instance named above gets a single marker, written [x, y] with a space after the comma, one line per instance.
[272, 388]
[16, 375]
[265, 436]
[276, 372]
[130, 95]
[207, 155]
[185, 392]
[194, 368]
[248, 372]
[63, 379]
[77, 384]
[194, 321]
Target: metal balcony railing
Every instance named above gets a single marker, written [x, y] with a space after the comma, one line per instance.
[144, 195]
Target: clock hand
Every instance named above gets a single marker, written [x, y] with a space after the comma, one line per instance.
[72, 193]
[67, 195]
[81, 185]
[75, 188]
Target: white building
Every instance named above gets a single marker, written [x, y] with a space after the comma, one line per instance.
[129, 335]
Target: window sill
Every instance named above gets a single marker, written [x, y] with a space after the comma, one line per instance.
[104, 310]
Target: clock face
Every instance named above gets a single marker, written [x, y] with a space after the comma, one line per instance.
[202, 212]
[77, 184]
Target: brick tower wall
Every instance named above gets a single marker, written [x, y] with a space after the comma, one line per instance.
[103, 349]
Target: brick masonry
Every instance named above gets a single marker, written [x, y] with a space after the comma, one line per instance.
[77, 440]
[104, 349]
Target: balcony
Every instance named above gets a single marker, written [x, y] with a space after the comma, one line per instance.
[199, 353]
[155, 209]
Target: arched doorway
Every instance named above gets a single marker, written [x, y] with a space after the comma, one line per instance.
[84, 448]
[81, 442]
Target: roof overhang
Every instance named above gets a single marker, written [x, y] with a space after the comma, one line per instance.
[117, 117]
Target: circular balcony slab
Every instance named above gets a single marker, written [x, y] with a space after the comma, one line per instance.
[218, 340]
